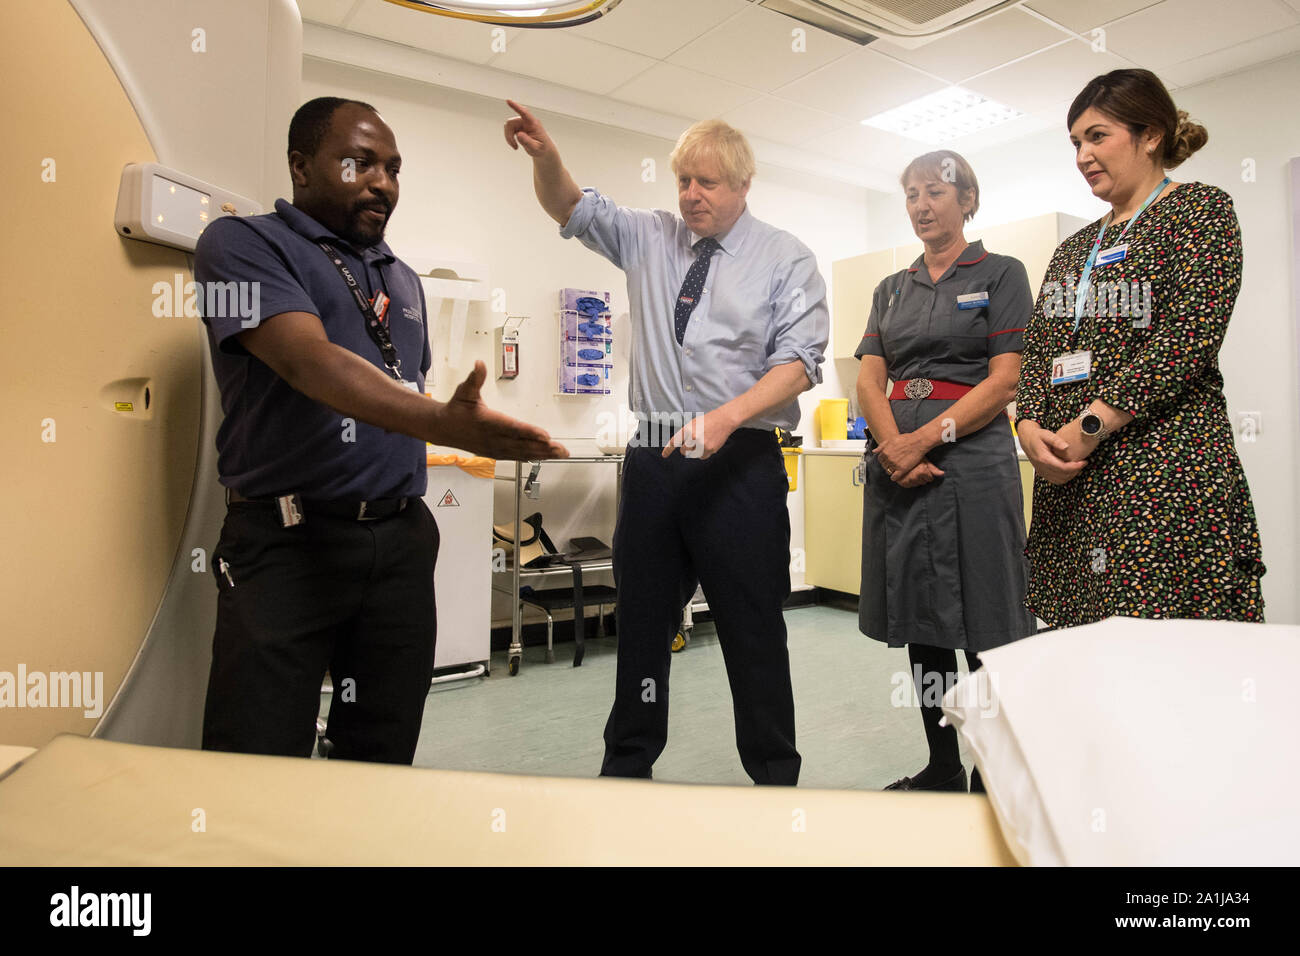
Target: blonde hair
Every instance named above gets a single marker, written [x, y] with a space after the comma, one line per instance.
[945, 166]
[717, 141]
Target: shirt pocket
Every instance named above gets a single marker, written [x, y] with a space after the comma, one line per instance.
[960, 333]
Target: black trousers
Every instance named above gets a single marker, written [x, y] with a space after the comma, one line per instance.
[722, 522]
[355, 597]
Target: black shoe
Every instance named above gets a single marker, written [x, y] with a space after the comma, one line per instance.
[956, 783]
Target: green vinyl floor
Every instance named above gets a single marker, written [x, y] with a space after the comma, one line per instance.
[549, 718]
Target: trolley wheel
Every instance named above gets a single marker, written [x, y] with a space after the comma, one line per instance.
[679, 642]
[514, 666]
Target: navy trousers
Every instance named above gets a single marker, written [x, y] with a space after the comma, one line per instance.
[722, 522]
[355, 597]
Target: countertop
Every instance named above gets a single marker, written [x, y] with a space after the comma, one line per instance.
[857, 453]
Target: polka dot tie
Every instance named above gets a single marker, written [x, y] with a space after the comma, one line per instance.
[689, 297]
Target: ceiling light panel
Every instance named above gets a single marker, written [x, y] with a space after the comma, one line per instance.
[943, 116]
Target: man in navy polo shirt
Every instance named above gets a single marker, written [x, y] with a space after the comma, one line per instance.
[326, 557]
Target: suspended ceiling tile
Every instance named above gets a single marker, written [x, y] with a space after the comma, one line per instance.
[1046, 78]
[982, 46]
[860, 85]
[677, 90]
[1082, 17]
[460, 39]
[758, 49]
[1233, 59]
[874, 149]
[1180, 30]
[659, 28]
[571, 60]
[781, 122]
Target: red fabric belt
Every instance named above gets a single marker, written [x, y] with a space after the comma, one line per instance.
[927, 388]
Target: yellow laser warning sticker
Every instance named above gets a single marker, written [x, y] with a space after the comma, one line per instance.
[123, 406]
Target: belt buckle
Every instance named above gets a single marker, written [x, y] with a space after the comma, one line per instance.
[918, 388]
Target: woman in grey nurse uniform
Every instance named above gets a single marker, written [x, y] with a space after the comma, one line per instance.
[943, 529]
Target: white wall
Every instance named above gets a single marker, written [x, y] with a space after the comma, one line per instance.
[467, 196]
[1249, 116]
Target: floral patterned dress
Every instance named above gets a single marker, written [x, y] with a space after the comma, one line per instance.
[1159, 523]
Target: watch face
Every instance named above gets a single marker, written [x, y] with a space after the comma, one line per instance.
[1090, 424]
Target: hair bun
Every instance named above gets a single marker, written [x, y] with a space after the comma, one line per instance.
[1188, 138]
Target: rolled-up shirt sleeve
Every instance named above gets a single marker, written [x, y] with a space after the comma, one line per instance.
[607, 228]
[1010, 306]
[801, 321]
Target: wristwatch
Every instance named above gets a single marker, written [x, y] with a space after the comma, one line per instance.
[1092, 426]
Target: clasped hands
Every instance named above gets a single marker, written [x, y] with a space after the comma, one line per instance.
[1057, 456]
[903, 458]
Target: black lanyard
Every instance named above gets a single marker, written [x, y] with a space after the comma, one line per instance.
[377, 329]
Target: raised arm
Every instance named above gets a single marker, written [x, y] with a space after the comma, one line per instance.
[556, 190]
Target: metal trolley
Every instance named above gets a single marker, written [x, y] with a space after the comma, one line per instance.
[602, 595]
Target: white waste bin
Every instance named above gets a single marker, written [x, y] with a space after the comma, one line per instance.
[460, 497]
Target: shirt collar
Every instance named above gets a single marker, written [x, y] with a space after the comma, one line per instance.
[730, 241]
[309, 228]
[973, 253]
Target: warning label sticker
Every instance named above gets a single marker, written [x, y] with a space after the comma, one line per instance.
[448, 500]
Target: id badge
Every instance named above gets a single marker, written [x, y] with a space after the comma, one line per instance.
[1071, 367]
[413, 386]
[973, 300]
[1113, 254]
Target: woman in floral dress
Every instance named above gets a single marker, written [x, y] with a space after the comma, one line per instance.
[1141, 507]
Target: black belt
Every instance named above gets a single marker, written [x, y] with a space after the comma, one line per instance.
[372, 510]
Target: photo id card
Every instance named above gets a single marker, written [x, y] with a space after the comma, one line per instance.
[1071, 367]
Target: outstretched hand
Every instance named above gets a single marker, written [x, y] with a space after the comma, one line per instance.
[466, 422]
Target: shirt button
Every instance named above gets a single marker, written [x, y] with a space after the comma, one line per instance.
[689, 388]
[690, 351]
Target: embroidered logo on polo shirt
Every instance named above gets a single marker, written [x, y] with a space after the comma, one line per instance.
[411, 313]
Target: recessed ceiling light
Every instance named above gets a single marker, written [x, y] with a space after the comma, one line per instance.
[946, 115]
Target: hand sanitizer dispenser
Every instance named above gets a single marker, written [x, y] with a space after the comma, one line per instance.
[507, 347]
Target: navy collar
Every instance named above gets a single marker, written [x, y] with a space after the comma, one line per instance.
[309, 228]
[973, 253]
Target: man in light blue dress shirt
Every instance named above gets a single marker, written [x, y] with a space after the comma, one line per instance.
[729, 325]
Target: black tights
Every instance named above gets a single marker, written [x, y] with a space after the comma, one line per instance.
[935, 664]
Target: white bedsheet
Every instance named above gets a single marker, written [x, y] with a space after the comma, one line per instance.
[1139, 742]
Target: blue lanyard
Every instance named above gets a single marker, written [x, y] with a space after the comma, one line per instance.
[1080, 296]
